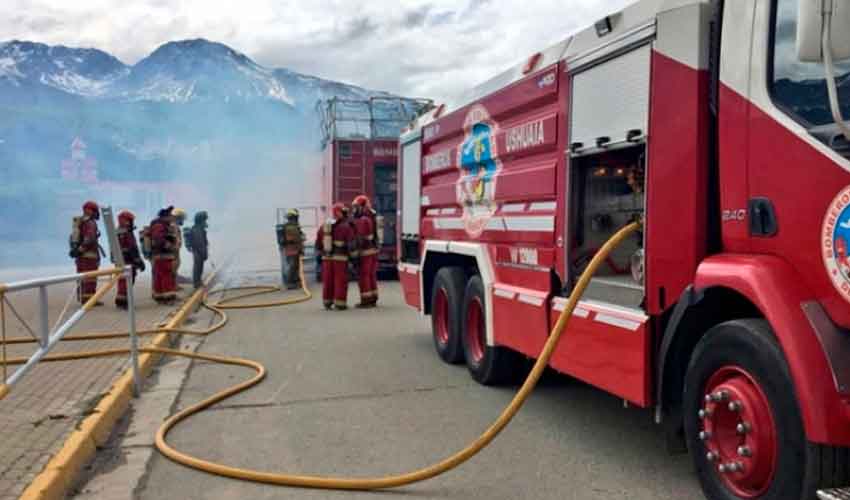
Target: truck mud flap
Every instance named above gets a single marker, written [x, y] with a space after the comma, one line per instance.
[408, 275]
[520, 318]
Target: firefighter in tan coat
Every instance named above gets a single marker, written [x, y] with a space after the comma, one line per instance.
[179, 216]
[292, 246]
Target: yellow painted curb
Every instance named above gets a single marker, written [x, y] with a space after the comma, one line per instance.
[62, 471]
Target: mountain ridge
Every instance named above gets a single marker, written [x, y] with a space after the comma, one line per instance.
[177, 71]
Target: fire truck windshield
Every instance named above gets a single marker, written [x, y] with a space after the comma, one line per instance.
[800, 88]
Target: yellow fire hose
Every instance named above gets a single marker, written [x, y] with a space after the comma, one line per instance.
[342, 483]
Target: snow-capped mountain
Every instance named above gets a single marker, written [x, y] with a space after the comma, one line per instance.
[198, 69]
[176, 72]
[85, 72]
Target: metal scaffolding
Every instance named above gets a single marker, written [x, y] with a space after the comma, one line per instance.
[368, 119]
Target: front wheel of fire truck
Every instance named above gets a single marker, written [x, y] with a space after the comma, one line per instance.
[446, 311]
[488, 365]
[742, 421]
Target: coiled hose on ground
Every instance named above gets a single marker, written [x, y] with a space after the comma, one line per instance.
[328, 482]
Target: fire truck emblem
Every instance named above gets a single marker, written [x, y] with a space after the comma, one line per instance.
[479, 165]
[836, 242]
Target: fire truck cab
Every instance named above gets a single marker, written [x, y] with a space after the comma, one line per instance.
[714, 122]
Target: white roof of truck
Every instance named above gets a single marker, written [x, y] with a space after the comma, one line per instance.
[576, 49]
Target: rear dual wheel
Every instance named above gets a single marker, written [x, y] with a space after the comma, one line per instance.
[459, 328]
[488, 365]
[446, 311]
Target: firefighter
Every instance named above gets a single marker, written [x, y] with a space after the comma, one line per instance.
[335, 241]
[198, 244]
[354, 262]
[367, 251]
[293, 249]
[163, 242]
[179, 216]
[130, 250]
[86, 250]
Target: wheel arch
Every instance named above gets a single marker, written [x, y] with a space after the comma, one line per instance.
[432, 264]
[472, 257]
[693, 316]
[731, 287]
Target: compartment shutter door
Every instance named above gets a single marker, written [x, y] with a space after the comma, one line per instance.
[612, 98]
[411, 179]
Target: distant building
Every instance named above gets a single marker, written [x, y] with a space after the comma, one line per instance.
[80, 166]
[143, 197]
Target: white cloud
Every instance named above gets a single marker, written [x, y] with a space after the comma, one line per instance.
[416, 47]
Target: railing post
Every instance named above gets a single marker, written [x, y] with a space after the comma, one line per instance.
[134, 339]
[3, 332]
[44, 322]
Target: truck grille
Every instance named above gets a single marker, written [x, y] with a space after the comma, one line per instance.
[835, 494]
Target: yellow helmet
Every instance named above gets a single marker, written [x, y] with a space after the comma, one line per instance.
[292, 212]
[179, 214]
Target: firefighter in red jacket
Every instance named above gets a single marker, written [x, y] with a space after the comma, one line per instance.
[130, 250]
[367, 250]
[335, 241]
[85, 249]
[163, 242]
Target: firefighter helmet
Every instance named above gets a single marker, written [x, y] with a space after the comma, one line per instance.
[126, 217]
[362, 201]
[339, 210]
[91, 206]
[166, 212]
[179, 214]
[292, 213]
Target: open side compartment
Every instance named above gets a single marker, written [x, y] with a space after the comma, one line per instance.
[608, 193]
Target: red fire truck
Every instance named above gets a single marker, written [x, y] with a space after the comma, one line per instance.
[360, 143]
[729, 314]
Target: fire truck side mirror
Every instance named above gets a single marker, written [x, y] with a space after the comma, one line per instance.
[810, 29]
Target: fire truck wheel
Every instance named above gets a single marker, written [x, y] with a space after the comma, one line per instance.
[743, 425]
[488, 365]
[446, 310]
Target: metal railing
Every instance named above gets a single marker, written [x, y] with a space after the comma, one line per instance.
[48, 337]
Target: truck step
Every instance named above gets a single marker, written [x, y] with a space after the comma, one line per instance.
[835, 494]
[620, 290]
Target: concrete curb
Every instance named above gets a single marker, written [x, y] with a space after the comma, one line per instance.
[62, 471]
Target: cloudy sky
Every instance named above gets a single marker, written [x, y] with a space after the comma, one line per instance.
[427, 48]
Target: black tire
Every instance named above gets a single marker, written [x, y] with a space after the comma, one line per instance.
[750, 345]
[451, 281]
[494, 365]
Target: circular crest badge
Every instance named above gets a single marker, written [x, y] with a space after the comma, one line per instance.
[479, 164]
[835, 241]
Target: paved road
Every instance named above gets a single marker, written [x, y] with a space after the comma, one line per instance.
[363, 393]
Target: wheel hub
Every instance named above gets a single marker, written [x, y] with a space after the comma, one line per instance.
[738, 432]
[475, 329]
[441, 311]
